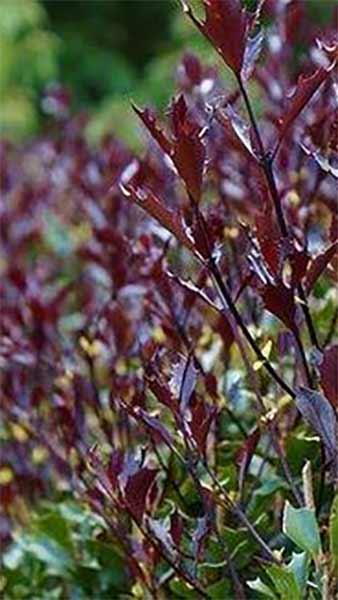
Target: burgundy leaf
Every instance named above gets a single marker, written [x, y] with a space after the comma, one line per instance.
[154, 426]
[188, 150]
[329, 374]
[279, 300]
[226, 26]
[305, 88]
[185, 149]
[137, 491]
[157, 133]
[202, 417]
[318, 265]
[176, 527]
[270, 240]
[299, 260]
[192, 68]
[169, 220]
[245, 454]
[115, 466]
[162, 392]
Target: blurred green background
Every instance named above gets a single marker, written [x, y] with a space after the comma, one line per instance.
[106, 51]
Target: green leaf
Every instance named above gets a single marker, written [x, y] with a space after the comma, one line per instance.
[49, 552]
[53, 526]
[259, 586]
[299, 566]
[270, 486]
[182, 589]
[284, 582]
[333, 533]
[219, 590]
[300, 525]
[14, 556]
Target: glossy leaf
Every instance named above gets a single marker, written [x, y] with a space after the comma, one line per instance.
[305, 88]
[300, 525]
[284, 582]
[226, 25]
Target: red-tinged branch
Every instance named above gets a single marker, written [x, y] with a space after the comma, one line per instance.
[266, 162]
[228, 303]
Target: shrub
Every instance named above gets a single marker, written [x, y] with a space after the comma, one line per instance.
[174, 367]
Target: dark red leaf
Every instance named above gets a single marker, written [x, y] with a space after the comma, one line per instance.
[193, 68]
[202, 417]
[115, 466]
[169, 220]
[305, 88]
[157, 133]
[226, 25]
[244, 454]
[176, 527]
[279, 300]
[155, 427]
[270, 241]
[162, 392]
[189, 152]
[329, 374]
[299, 260]
[137, 491]
[247, 449]
[185, 148]
[318, 265]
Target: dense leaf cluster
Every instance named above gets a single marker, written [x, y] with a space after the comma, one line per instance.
[168, 329]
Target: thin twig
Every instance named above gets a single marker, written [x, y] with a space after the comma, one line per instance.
[265, 160]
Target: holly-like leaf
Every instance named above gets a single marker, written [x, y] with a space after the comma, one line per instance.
[188, 152]
[226, 25]
[149, 120]
[328, 370]
[284, 582]
[259, 586]
[305, 88]
[185, 148]
[200, 534]
[299, 566]
[301, 526]
[169, 220]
